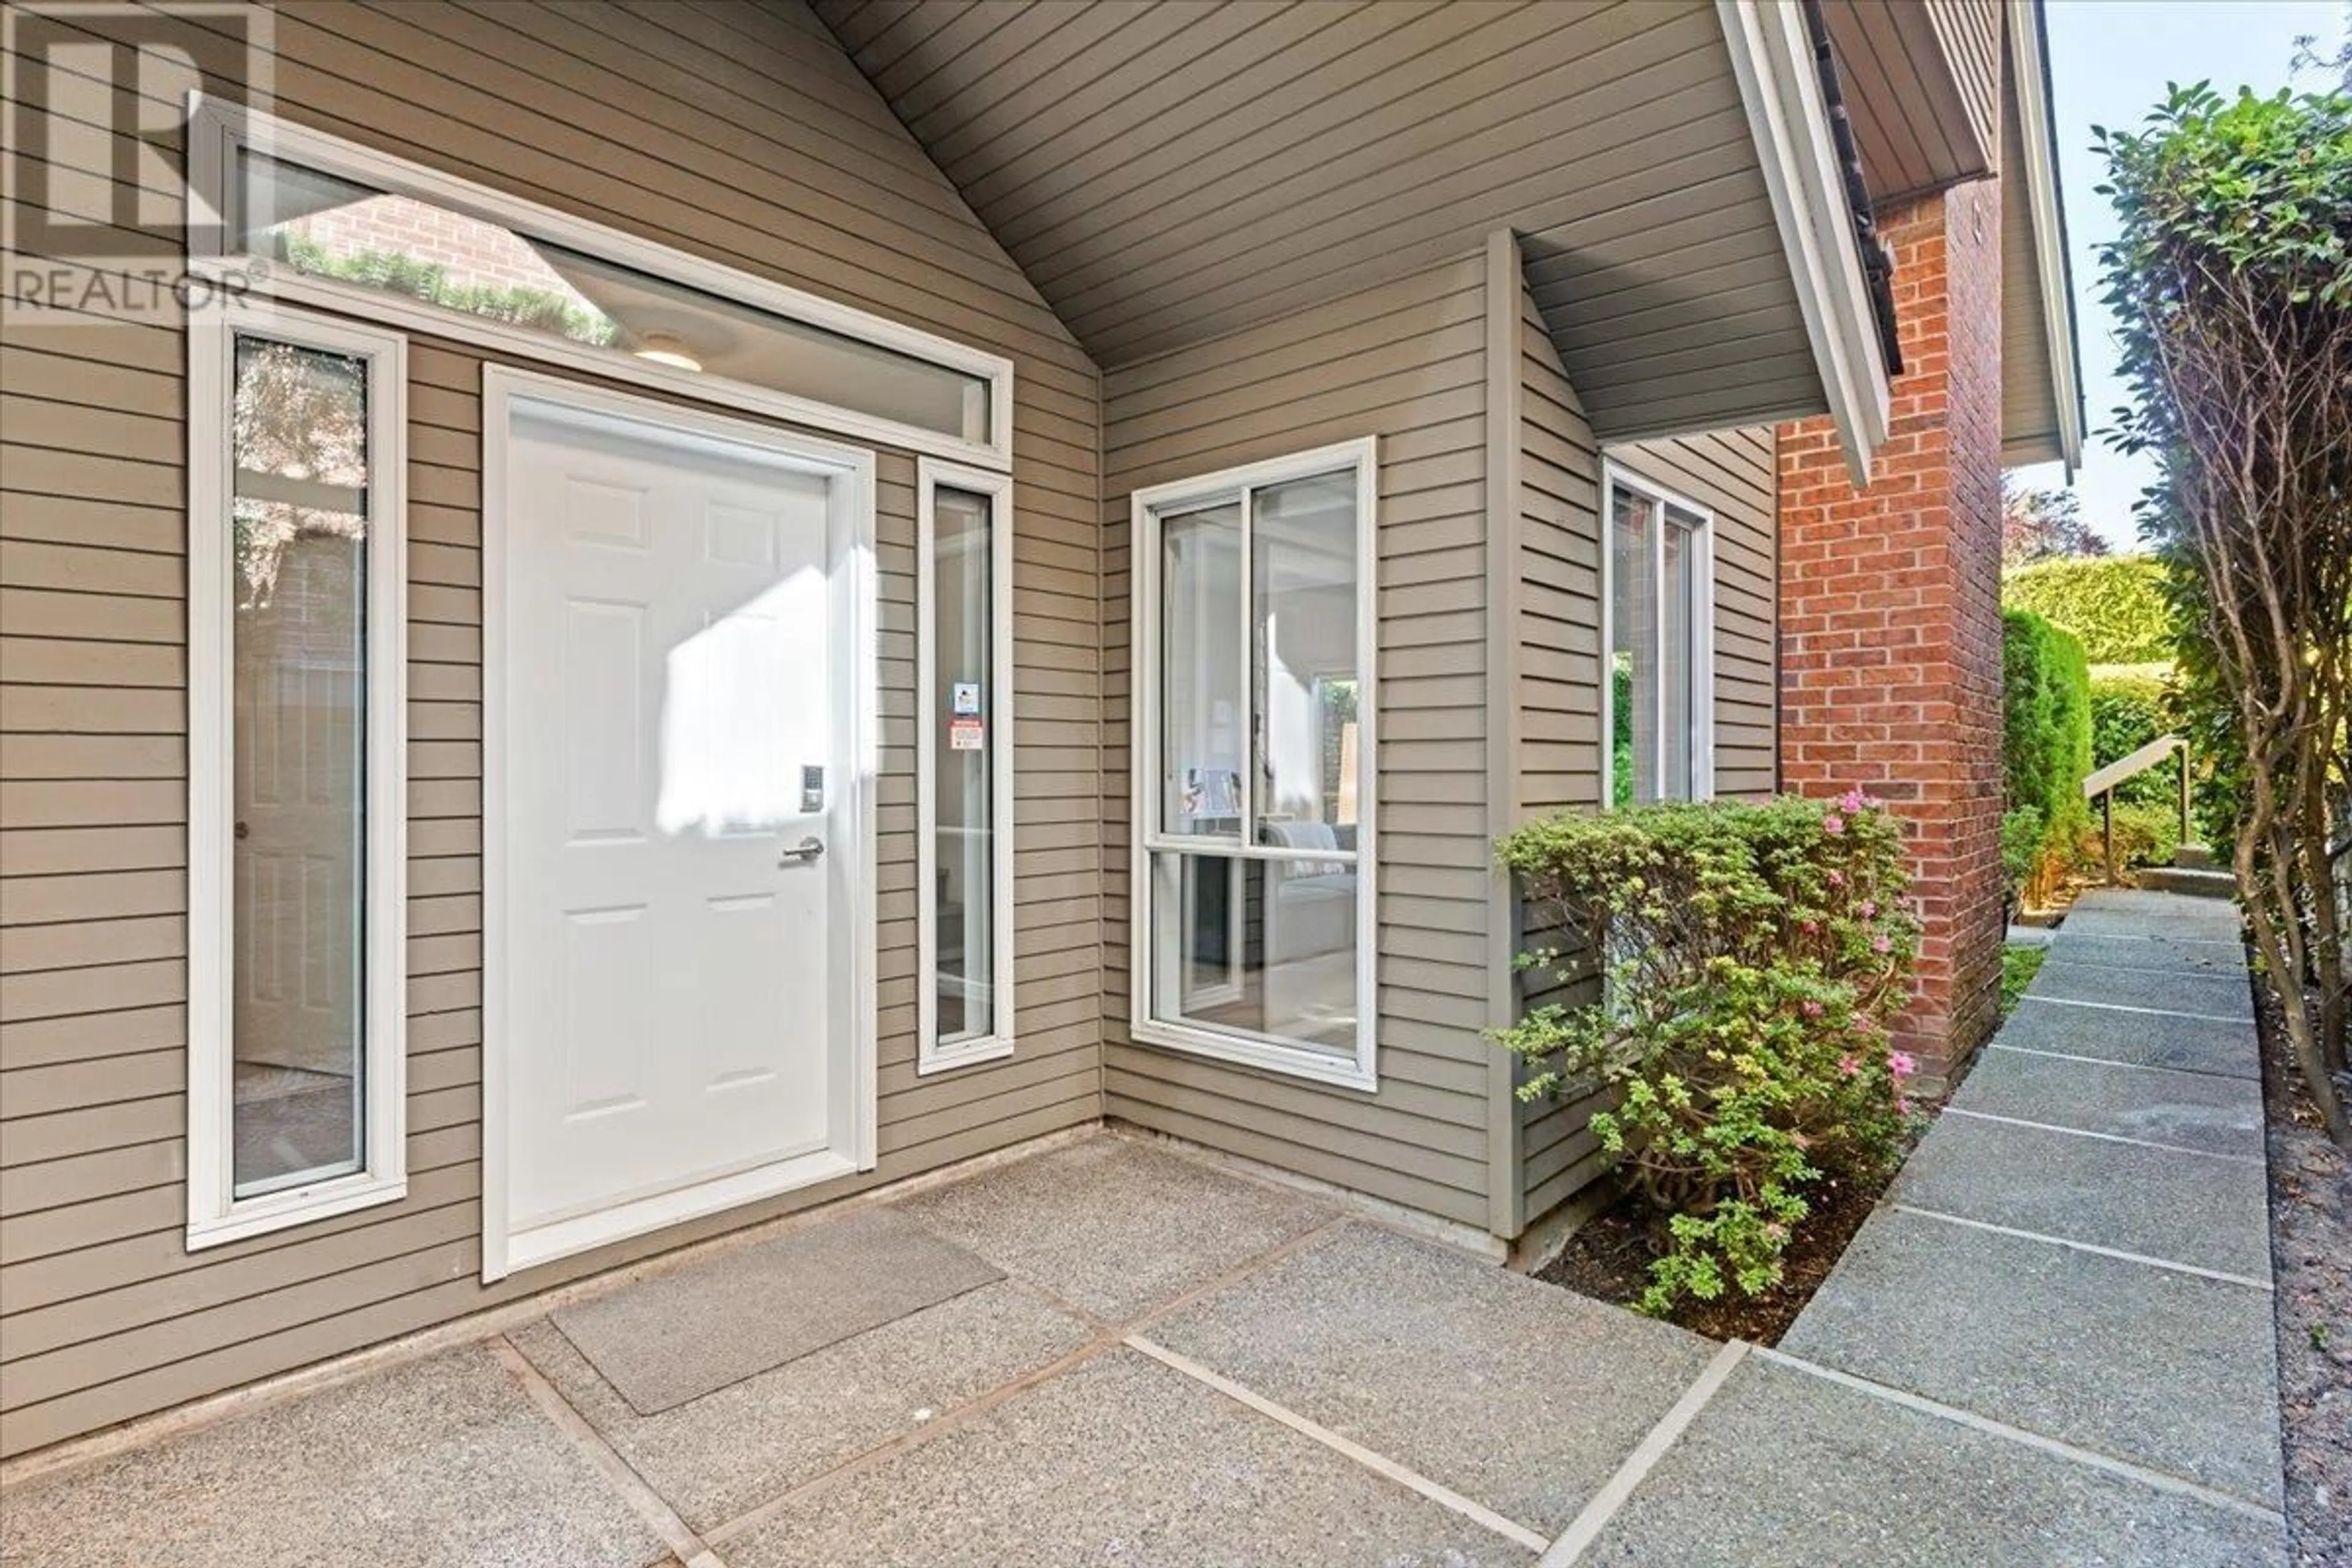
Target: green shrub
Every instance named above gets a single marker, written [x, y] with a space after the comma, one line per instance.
[1621, 723]
[2046, 738]
[1755, 956]
[2114, 603]
[2145, 835]
[2024, 834]
[2020, 962]
[2127, 712]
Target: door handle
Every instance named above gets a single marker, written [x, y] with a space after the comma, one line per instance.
[801, 854]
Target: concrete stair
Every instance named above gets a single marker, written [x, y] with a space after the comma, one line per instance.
[2193, 872]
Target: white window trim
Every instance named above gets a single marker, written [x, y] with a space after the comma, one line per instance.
[215, 1214]
[217, 129]
[1146, 508]
[930, 1056]
[1613, 478]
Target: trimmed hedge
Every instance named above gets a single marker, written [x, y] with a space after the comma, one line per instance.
[2047, 725]
[2045, 750]
[2114, 603]
[2126, 713]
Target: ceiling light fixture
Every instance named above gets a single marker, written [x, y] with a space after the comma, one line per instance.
[662, 348]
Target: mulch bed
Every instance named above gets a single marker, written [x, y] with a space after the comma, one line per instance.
[2311, 1256]
[1609, 1257]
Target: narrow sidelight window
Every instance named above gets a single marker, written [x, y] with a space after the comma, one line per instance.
[1254, 915]
[1658, 602]
[295, 609]
[963, 657]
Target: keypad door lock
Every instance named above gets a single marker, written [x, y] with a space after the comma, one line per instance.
[812, 791]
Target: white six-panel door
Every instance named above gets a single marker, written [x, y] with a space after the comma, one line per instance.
[673, 817]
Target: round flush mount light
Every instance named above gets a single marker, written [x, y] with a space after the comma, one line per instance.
[663, 348]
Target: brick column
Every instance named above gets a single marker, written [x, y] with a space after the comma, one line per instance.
[1890, 613]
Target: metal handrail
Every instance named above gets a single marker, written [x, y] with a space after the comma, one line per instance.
[2101, 786]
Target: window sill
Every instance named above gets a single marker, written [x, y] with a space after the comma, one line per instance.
[965, 1054]
[299, 1205]
[1289, 1062]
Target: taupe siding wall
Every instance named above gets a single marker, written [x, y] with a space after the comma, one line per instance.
[1969, 31]
[1169, 171]
[1557, 649]
[1404, 361]
[1732, 474]
[737, 132]
[1558, 701]
[1558, 555]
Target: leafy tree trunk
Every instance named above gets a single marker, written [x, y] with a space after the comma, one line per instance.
[2232, 281]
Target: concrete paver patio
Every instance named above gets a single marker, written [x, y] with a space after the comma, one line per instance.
[1186, 1365]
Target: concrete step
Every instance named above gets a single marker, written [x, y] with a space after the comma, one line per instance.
[2197, 882]
[2194, 858]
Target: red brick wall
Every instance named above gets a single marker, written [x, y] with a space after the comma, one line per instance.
[1890, 611]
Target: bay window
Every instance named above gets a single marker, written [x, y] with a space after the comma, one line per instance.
[1252, 879]
[1657, 603]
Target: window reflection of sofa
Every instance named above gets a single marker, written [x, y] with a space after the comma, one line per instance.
[1309, 943]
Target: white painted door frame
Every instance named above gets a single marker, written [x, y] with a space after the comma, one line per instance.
[848, 472]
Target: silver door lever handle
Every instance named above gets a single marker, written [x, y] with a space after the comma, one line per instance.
[803, 853]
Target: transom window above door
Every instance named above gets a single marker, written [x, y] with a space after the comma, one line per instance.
[1254, 912]
[297, 214]
[1657, 598]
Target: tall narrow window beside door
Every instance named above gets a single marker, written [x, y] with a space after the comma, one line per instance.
[1657, 599]
[296, 796]
[963, 657]
[1254, 913]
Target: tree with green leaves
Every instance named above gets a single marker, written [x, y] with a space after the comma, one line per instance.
[2039, 524]
[2231, 283]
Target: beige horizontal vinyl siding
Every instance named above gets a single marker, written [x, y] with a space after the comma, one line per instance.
[1171, 172]
[1404, 361]
[1557, 683]
[1970, 34]
[1733, 475]
[1558, 696]
[735, 131]
[1558, 687]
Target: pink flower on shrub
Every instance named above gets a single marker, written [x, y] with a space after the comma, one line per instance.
[1903, 1105]
[1901, 1065]
[1880, 944]
[1852, 802]
[1869, 907]
[1809, 926]
[1832, 823]
[1811, 1008]
[1837, 878]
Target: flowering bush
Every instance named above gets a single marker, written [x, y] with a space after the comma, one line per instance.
[1752, 957]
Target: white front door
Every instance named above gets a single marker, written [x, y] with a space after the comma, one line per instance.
[677, 827]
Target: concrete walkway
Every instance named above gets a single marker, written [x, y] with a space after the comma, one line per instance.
[2052, 1350]
[2077, 1258]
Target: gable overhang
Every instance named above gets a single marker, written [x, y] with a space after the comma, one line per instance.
[2042, 390]
[1169, 174]
[1923, 84]
[1781, 83]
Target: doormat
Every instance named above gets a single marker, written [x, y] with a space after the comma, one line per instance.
[680, 1336]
